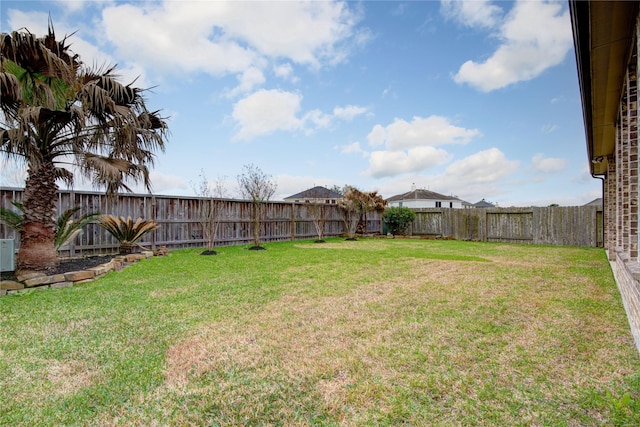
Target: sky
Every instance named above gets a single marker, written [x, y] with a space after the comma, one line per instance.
[474, 99]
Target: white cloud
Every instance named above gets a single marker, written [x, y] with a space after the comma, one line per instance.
[35, 22]
[392, 163]
[478, 13]
[318, 119]
[377, 136]
[430, 131]
[481, 175]
[410, 146]
[536, 35]
[348, 112]
[305, 32]
[482, 167]
[76, 5]
[228, 37]
[547, 165]
[267, 111]
[175, 37]
[284, 71]
[248, 80]
[90, 54]
[167, 184]
[353, 148]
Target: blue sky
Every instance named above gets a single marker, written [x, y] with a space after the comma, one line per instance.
[476, 99]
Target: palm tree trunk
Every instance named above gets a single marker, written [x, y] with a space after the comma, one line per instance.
[37, 250]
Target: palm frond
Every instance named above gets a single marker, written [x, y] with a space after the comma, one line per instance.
[10, 91]
[112, 172]
[125, 230]
[67, 228]
[64, 175]
[13, 219]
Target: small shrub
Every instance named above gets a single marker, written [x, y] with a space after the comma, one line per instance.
[398, 219]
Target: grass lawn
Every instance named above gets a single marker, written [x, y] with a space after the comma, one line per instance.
[368, 333]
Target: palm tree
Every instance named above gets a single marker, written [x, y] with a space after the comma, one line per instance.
[56, 114]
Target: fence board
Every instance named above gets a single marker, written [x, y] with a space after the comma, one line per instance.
[566, 225]
[180, 220]
[181, 224]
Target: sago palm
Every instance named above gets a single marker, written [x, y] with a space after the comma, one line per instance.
[67, 227]
[126, 231]
[58, 116]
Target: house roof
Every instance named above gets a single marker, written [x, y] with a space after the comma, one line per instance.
[420, 195]
[602, 36]
[597, 202]
[484, 204]
[317, 192]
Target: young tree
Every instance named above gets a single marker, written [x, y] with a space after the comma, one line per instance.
[57, 112]
[356, 204]
[211, 209]
[379, 204]
[257, 187]
[318, 216]
[370, 202]
[350, 207]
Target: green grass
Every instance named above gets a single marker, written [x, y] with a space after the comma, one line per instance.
[366, 333]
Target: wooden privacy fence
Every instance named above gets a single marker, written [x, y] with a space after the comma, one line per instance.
[181, 224]
[180, 220]
[562, 225]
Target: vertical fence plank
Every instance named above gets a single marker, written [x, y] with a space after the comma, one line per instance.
[180, 220]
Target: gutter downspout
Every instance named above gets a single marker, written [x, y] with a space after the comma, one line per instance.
[601, 177]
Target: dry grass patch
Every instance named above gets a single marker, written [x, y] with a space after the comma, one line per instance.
[449, 329]
[69, 376]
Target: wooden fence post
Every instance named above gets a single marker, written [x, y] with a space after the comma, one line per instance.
[293, 221]
[155, 219]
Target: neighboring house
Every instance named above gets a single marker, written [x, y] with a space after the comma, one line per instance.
[606, 37]
[315, 195]
[483, 204]
[417, 198]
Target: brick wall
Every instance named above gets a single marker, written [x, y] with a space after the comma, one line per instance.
[621, 198]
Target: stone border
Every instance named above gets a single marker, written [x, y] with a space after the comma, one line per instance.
[40, 281]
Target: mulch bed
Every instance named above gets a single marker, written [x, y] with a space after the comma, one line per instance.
[67, 265]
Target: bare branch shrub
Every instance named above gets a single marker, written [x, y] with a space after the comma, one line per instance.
[211, 210]
[317, 212]
[257, 187]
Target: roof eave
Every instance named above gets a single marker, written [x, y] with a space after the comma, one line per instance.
[603, 35]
